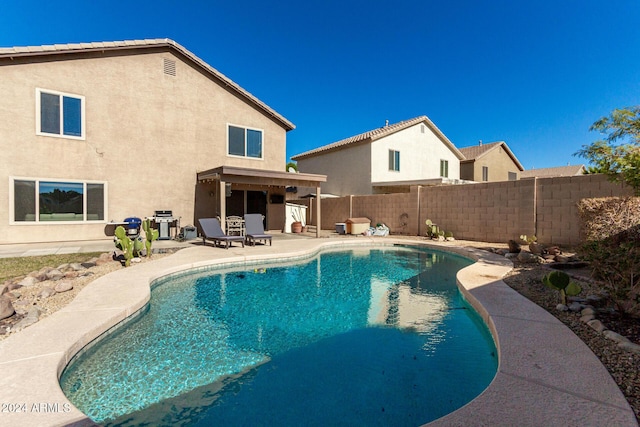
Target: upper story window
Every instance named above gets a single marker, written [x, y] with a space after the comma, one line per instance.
[245, 142]
[513, 176]
[394, 160]
[485, 173]
[39, 200]
[59, 114]
[444, 168]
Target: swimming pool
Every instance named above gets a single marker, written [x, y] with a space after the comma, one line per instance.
[375, 336]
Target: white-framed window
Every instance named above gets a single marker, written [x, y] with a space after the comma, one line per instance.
[444, 168]
[39, 200]
[485, 173]
[513, 176]
[394, 160]
[60, 114]
[244, 142]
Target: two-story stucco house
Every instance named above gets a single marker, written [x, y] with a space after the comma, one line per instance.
[388, 159]
[95, 132]
[490, 162]
[553, 172]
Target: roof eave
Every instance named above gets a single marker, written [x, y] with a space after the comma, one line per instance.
[76, 48]
[379, 133]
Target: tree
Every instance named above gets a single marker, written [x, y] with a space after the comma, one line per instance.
[618, 154]
[291, 166]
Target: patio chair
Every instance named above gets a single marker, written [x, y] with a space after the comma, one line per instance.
[254, 229]
[235, 225]
[212, 231]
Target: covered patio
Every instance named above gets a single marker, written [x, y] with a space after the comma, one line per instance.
[230, 190]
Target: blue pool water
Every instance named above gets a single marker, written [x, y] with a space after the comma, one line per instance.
[355, 337]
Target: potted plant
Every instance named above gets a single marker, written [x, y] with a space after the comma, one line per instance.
[296, 225]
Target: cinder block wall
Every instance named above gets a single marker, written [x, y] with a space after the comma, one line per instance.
[557, 204]
[397, 211]
[332, 210]
[491, 212]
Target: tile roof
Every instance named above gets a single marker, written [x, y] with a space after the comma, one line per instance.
[372, 135]
[553, 172]
[8, 54]
[476, 151]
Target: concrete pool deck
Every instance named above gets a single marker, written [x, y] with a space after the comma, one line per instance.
[546, 374]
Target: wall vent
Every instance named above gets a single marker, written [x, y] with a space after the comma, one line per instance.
[169, 67]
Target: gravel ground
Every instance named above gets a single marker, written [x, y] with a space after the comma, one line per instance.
[524, 278]
[26, 297]
[623, 365]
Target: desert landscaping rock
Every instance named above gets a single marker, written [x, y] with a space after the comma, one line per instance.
[28, 281]
[629, 346]
[514, 247]
[614, 336]
[46, 292]
[76, 266]
[528, 257]
[13, 287]
[586, 318]
[101, 260]
[6, 308]
[32, 317]
[576, 306]
[54, 274]
[63, 287]
[41, 274]
[597, 325]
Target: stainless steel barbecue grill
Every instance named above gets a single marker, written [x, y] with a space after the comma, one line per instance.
[164, 221]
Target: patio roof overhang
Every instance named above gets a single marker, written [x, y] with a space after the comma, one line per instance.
[260, 177]
[236, 175]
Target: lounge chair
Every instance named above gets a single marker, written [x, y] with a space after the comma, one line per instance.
[212, 231]
[254, 229]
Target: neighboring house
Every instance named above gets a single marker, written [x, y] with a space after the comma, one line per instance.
[554, 172]
[489, 162]
[96, 132]
[387, 159]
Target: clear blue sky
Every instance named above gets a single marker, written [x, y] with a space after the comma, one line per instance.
[535, 74]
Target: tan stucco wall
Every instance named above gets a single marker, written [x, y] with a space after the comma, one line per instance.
[498, 162]
[147, 135]
[348, 170]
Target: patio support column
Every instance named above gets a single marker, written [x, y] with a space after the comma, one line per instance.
[222, 191]
[318, 222]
